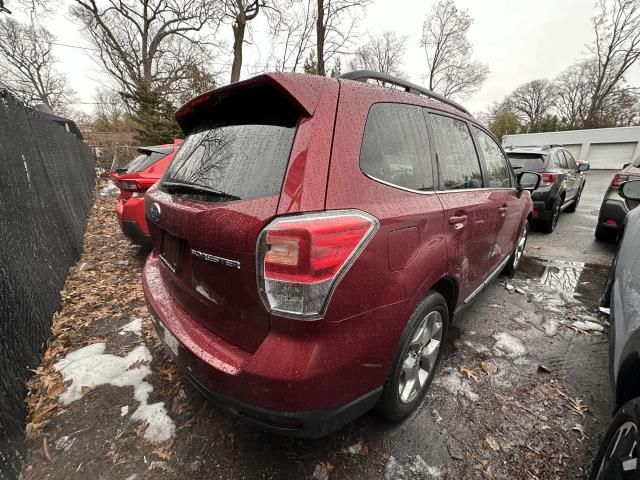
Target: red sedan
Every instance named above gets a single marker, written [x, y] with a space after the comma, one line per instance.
[133, 181]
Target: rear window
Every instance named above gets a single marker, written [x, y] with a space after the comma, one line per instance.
[526, 161]
[145, 160]
[395, 146]
[233, 162]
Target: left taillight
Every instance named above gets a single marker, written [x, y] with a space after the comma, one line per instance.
[302, 258]
[547, 178]
[133, 187]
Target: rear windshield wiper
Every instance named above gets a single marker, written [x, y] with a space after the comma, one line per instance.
[178, 187]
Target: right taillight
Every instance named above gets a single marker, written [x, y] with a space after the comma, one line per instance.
[547, 178]
[619, 178]
[302, 258]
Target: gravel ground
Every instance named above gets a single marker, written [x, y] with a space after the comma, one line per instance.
[522, 391]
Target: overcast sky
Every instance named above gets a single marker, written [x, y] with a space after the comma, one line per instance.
[519, 40]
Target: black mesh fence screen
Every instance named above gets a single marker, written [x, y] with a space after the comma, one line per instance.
[46, 192]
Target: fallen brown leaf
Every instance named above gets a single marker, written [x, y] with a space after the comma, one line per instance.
[468, 372]
[580, 429]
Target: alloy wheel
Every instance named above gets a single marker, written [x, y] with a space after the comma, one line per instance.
[522, 241]
[620, 460]
[419, 362]
[556, 212]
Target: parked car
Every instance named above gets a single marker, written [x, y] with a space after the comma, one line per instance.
[618, 452]
[310, 252]
[133, 181]
[614, 208]
[562, 181]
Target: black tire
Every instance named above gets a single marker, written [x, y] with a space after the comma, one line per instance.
[617, 443]
[574, 205]
[390, 405]
[604, 234]
[549, 225]
[518, 251]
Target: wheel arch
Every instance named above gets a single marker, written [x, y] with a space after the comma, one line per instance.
[628, 381]
[448, 288]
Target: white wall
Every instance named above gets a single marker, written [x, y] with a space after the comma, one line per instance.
[614, 146]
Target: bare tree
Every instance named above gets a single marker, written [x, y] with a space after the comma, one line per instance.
[239, 13]
[382, 54]
[335, 28]
[27, 65]
[292, 34]
[616, 48]
[532, 100]
[149, 44]
[452, 71]
[574, 90]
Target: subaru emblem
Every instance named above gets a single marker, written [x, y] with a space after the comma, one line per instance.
[154, 212]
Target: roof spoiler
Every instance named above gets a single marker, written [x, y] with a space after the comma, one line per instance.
[303, 91]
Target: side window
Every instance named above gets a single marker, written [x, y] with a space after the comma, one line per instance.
[457, 159]
[498, 174]
[395, 147]
[570, 161]
[561, 160]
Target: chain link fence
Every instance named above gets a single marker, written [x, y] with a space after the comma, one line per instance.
[46, 191]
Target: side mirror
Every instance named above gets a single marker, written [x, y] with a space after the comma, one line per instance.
[583, 166]
[630, 190]
[529, 181]
[625, 165]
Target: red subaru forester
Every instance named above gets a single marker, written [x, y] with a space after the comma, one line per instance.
[314, 237]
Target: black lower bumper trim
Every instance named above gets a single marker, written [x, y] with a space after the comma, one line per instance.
[612, 209]
[305, 424]
[134, 233]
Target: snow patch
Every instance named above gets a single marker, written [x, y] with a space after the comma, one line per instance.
[588, 326]
[550, 326]
[135, 326]
[110, 190]
[508, 345]
[454, 382]
[90, 367]
[417, 468]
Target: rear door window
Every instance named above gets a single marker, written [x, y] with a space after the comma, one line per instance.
[571, 163]
[458, 162]
[498, 175]
[395, 146]
[562, 162]
[232, 162]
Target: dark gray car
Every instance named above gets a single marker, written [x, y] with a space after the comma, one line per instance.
[561, 182]
[617, 457]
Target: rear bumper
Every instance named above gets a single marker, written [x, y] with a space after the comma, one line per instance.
[303, 424]
[133, 223]
[543, 209]
[612, 210]
[303, 385]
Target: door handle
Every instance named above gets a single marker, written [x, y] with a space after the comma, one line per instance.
[502, 210]
[458, 221]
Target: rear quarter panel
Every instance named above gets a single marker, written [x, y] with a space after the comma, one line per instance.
[408, 253]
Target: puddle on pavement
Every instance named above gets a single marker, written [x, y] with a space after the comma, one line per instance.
[583, 281]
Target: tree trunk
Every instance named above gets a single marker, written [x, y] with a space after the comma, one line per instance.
[320, 33]
[238, 39]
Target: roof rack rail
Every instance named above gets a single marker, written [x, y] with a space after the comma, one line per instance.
[364, 75]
